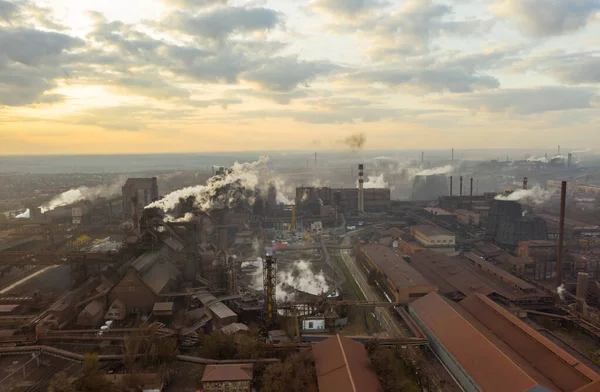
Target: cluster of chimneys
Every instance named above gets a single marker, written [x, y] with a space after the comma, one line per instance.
[461, 186]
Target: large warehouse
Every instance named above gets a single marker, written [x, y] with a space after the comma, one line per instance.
[401, 281]
[510, 349]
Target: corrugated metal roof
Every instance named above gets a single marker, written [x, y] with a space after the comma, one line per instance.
[234, 328]
[551, 361]
[159, 275]
[219, 309]
[489, 367]
[148, 259]
[343, 365]
[8, 308]
[499, 272]
[163, 307]
[394, 267]
[237, 372]
[93, 308]
[430, 231]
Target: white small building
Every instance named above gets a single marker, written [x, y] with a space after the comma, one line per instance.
[313, 324]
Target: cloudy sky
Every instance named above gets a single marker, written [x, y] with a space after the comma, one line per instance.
[108, 76]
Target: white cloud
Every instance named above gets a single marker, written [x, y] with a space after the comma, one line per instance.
[549, 17]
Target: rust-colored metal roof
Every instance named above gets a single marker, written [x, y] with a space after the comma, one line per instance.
[431, 231]
[592, 387]
[563, 370]
[394, 266]
[234, 372]
[343, 365]
[487, 365]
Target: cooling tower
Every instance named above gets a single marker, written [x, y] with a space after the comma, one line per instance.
[512, 231]
[501, 209]
[430, 187]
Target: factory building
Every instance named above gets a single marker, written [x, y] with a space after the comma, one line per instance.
[401, 282]
[434, 238]
[230, 378]
[221, 314]
[375, 199]
[469, 218]
[471, 358]
[145, 190]
[548, 364]
[149, 276]
[343, 365]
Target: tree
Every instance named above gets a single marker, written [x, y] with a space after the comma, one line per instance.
[218, 345]
[296, 374]
[392, 370]
[251, 346]
[93, 380]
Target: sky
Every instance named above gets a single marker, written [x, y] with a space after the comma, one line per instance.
[142, 76]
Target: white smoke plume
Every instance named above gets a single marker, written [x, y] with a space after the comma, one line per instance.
[82, 193]
[534, 159]
[435, 171]
[535, 195]
[24, 215]
[298, 276]
[284, 191]
[219, 191]
[186, 218]
[560, 290]
[375, 182]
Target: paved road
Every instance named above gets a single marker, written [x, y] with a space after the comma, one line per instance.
[388, 321]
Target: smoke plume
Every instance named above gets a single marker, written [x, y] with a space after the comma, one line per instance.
[82, 193]
[356, 142]
[375, 182]
[560, 290]
[235, 187]
[437, 170]
[24, 215]
[534, 159]
[299, 276]
[535, 195]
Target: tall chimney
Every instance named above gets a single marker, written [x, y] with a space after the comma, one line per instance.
[561, 233]
[558, 149]
[582, 285]
[546, 155]
[461, 186]
[422, 158]
[471, 192]
[450, 185]
[361, 195]
[315, 159]
[569, 160]
[452, 154]
[525, 181]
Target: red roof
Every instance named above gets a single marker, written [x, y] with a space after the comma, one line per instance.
[343, 365]
[237, 372]
[486, 365]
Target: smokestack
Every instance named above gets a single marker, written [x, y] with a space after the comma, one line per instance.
[461, 185]
[315, 159]
[558, 149]
[422, 158]
[525, 181]
[361, 195]
[453, 154]
[134, 213]
[450, 185]
[582, 285]
[561, 233]
[471, 192]
[569, 160]
[546, 155]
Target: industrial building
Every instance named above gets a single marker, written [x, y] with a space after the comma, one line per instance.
[343, 365]
[347, 199]
[143, 190]
[472, 359]
[230, 378]
[434, 238]
[401, 281]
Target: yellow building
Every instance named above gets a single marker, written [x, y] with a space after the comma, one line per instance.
[434, 238]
